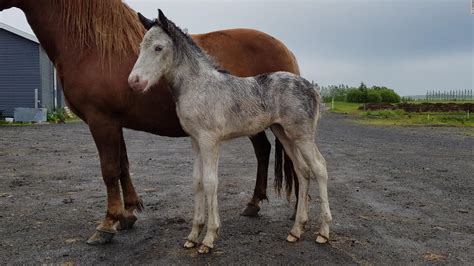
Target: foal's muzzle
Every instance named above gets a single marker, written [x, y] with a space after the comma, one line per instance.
[137, 84]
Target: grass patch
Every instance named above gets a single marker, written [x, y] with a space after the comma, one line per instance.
[345, 108]
[5, 123]
[424, 101]
[402, 118]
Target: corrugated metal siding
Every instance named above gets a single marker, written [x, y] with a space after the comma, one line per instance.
[61, 98]
[19, 72]
[47, 78]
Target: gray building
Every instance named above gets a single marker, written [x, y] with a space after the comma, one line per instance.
[26, 73]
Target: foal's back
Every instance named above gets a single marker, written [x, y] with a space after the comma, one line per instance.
[232, 106]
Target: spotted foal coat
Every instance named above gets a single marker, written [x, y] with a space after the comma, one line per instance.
[214, 106]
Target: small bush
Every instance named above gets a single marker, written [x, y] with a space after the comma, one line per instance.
[389, 96]
[357, 96]
[59, 115]
[373, 96]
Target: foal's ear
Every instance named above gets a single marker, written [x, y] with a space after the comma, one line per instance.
[147, 23]
[163, 20]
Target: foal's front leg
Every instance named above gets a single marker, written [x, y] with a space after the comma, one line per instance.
[199, 200]
[210, 159]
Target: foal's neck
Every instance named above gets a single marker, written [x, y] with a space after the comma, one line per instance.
[190, 73]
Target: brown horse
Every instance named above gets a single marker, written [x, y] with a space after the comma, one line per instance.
[94, 44]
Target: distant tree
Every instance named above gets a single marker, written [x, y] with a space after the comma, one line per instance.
[373, 96]
[389, 96]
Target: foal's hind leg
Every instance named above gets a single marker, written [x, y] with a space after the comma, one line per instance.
[199, 199]
[302, 172]
[316, 162]
[262, 148]
[132, 201]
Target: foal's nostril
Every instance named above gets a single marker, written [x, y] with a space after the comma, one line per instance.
[137, 83]
[133, 80]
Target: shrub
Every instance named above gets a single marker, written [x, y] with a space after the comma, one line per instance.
[389, 96]
[59, 115]
[373, 96]
[357, 96]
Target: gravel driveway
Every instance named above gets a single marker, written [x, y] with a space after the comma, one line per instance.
[398, 195]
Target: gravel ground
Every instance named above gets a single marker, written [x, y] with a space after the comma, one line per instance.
[398, 195]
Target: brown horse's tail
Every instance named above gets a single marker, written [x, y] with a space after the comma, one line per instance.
[283, 164]
[284, 172]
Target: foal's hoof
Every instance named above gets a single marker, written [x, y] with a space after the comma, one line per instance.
[251, 211]
[189, 244]
[320, 239]
[291, 238]
[127, 223]
[100, 238]
[203, 249]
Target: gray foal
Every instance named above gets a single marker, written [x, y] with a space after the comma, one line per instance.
[214, 106]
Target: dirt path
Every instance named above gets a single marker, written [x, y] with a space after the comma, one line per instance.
[398, 195]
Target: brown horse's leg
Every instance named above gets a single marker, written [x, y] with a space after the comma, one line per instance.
[262, 149]
[107, 134]
[131, 200]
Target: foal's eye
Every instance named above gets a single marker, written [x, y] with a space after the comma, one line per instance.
[158, 48]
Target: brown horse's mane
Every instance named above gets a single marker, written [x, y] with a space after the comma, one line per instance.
[109, 27]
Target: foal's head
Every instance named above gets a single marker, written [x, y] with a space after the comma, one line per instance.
[156, 54]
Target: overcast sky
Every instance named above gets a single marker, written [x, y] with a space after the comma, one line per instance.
[407, 45]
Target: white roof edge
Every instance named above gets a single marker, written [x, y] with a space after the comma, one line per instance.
[19, 32]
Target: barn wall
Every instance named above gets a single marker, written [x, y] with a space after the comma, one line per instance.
[47, 78]
[19, 72]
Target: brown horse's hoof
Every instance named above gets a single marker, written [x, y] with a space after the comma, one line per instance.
[127, 223]
[100, 238]
[251, 211]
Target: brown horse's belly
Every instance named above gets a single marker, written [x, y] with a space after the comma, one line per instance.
[153, 112]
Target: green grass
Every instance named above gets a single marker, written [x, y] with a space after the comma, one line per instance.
[5, 123]
[423, 101]
[402, 118]
[345, 108]
[419, 120]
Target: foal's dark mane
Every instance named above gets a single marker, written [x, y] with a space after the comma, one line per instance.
[185, 46]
